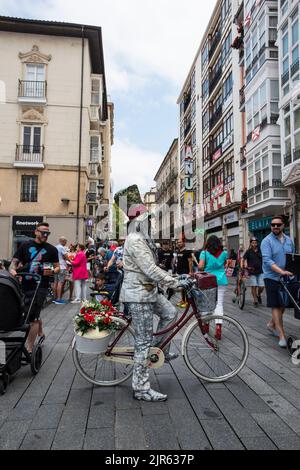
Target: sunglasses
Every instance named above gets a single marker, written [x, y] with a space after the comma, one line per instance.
[276, 225]
[45, 234]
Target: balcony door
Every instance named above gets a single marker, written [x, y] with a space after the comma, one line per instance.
[35, 80]
[32, 142]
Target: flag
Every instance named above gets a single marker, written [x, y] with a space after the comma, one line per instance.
[247, 20]
[256, 134]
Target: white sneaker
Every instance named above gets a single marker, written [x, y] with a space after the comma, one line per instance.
[76, 301]
[149, 395]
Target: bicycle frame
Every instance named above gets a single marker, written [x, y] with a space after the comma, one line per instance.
[174, 329]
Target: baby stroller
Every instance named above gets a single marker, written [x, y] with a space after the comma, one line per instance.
[290, 294]
[114, 281]
[14, 315]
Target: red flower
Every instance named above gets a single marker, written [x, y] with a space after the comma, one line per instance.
[89, 318]
[107, 320]
[106, 303]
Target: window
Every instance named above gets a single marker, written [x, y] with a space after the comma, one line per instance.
[205, 54]
[217, 176]
[295, 33]
[91, 211]
[273, 28]
[29, 188]
[32, 139]
[205, 120]
[95, 148]
[228, 126]
[287, 126]
[205, 89]
[206, 157]
[227, 87]
[93, 187]
[274, 84]
[226, 48]
[262, 34]
[295, 56]
[297, 119]
[95, 92]
[254, 43]
[228, 170]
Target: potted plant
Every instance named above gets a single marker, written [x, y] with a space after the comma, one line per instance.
[94, 325]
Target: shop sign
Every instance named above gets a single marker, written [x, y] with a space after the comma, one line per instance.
[259, 224]
[189, 195]
[230, 218]
[90, 223]
[217, 191]
[26, 223]
[217, 222]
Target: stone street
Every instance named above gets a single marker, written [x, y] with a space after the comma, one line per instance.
[57, 409]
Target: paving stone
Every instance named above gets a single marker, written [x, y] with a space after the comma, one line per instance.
[124, 398]
[101, 416]
[68, 439]
[150, 409]
[73, 419]
[130, 438]
[38, 440]
[258, 443]
[247, 397]
[12, 434]
[272, 425]
[241, 421]
[26, 409]
[129, 418]
[287, 442]
[161, 436]
[190, 433]
[220, 435]
[99, 439]
[47, 417]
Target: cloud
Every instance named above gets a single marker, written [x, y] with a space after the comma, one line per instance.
[133, 165]
[141, 38]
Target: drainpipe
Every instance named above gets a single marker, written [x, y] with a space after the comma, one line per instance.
[80, 138]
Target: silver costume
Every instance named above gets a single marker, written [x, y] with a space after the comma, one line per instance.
[140, 291]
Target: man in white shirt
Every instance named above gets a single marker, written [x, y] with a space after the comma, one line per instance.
[59, 279]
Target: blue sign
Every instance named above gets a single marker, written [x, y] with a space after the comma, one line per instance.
[260, 224]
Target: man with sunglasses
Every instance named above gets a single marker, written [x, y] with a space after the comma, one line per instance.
[38, 257]
[274, 249]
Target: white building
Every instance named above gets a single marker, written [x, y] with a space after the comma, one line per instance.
[266, 194]
[289, 43]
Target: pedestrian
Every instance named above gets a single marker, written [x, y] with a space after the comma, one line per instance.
[140, 291]
[37, 257]
[184, 266]
[80, 275]
[116, 261]
[213, 260]
[274, 249]
[252, 260]
[60, 278]
[90, 254]
[165, 256]
[69, 277]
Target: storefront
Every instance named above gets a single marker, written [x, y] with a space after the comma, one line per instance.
[214, 227]
[231, 222]
[23, 229]
[260, 228]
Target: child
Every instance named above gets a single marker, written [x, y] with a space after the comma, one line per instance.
[102, 291]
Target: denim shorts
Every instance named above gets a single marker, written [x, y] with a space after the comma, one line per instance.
[256, 280]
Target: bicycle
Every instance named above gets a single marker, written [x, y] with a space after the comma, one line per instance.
[240, 289]
[210, 356]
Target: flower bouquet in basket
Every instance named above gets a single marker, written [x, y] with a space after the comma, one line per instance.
[95, 321]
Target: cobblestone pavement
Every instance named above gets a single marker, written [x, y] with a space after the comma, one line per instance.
[57, 409]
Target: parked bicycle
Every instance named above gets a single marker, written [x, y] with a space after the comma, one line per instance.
[211, 357]
[239, 295]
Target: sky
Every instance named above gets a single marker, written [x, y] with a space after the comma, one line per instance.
[149, 47]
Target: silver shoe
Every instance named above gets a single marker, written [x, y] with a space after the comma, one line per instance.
[149, 395]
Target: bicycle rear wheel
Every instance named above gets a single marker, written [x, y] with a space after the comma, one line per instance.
[99, 371]
[215, 357]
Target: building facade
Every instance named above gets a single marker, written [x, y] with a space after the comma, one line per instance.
[56, 130]
[289, 105]
[168, 195]
[261, 155]
[221, 130]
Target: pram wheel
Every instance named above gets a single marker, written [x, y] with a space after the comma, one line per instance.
[4, 379]
[36, 359]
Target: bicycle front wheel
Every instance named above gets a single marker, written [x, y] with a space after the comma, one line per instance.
[99, 371]
[220, 353]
